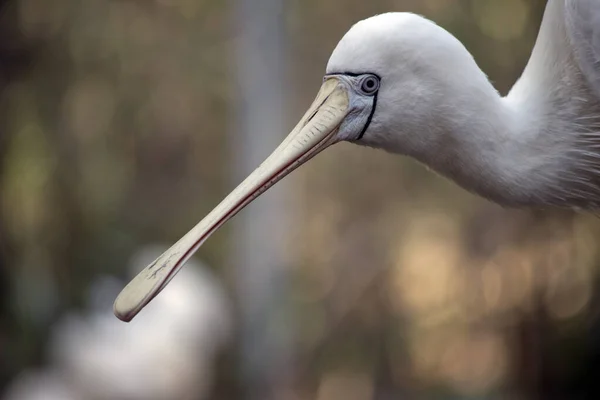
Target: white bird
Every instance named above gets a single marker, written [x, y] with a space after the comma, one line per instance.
[401, 83]
[94, 356]
[182, 332]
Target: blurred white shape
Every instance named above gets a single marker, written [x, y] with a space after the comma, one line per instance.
[40, 385]
[165, 353]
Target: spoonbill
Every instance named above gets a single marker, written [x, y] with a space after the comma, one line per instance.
[401, 83]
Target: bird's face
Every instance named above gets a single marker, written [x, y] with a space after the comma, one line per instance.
[355, 101]
[362, 90]
[420, 69]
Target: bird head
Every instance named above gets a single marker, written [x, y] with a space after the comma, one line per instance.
[378, 90]
[423, 76]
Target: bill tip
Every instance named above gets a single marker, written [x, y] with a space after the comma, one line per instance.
[123, 315]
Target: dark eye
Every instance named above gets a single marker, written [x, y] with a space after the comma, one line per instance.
[370, 84]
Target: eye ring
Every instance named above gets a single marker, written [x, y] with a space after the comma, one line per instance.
[369, 84]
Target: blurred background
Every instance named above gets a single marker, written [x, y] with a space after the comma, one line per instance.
[362, 276]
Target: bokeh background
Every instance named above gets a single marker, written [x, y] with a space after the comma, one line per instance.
[362, 276]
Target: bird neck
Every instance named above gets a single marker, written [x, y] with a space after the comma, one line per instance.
[491, 148]
[537, 146]
[532, 147]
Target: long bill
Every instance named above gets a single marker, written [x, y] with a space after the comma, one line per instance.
[315, 132]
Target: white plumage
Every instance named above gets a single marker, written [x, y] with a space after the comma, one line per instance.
[401, 83]
[536, 146]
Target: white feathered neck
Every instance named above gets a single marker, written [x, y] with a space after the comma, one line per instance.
[536, 146]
